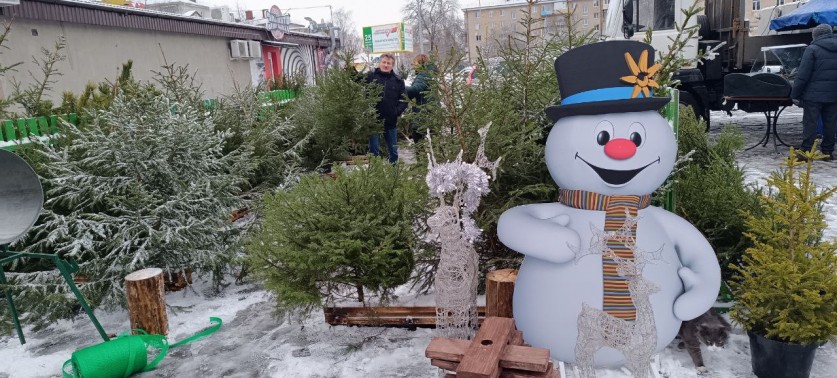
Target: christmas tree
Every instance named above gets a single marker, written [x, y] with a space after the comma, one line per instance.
[146, 184]
[786, 287]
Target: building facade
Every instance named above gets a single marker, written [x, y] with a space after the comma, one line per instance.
[490, 23]
[101, 37]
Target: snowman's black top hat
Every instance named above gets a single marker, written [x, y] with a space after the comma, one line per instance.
[606, 77]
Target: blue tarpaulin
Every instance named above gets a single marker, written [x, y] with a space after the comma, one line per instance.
[807, 16]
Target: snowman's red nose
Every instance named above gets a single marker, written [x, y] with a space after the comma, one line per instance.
[620, 149]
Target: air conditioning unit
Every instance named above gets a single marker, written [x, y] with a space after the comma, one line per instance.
[255, 48]
[239, 49]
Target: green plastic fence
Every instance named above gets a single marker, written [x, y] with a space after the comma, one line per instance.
[280, 96]
[15, 132]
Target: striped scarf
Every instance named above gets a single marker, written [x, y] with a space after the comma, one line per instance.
[617, 297]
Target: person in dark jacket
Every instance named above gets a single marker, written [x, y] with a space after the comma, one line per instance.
[418, 91]
[815, 89]
[389, 106]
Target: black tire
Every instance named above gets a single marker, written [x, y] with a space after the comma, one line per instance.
[704, 32]
[690, 100]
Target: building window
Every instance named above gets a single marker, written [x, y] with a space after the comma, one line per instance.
[476, 26]
[584, 9]
[596, 15]
[479, 38]
[502, 12]
[514, 15]
[596, 3]
[584, 21]
[756, 4]
[476, 14]
[596, 28]
[502, 24]
[490, 13]
[780, 2]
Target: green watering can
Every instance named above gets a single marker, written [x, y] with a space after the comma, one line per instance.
[126, 354]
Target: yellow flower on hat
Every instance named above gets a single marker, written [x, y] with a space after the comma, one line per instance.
[642, 75]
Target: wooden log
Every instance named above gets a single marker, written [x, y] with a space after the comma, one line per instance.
[499, 290]
[147, 301]
[482, 359]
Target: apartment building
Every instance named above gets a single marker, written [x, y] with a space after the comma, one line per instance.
[488, 23]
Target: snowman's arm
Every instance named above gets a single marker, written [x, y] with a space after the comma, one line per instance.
[701, 274]
[540, 231]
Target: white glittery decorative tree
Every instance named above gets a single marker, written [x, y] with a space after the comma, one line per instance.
[459, 186]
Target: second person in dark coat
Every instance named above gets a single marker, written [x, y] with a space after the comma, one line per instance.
[815, 89]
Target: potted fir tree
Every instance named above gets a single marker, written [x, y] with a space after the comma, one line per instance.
[786, 286]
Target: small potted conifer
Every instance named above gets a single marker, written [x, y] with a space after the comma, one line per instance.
[786, 286]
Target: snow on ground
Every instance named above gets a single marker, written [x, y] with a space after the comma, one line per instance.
[255, 342]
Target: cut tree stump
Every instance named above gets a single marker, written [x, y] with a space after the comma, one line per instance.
[499, 290]
[147, 301]
[494, 352]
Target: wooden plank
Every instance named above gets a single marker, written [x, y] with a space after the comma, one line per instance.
[442, 364]
[517, 338]
[447, 349]
[423, 316]
[511, 373]
[482, 359]
[525, 358]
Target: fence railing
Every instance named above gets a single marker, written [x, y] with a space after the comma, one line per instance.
[16, 132]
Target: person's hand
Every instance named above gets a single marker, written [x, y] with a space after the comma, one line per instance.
[797, 102]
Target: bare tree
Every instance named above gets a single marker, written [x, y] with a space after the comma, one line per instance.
[438, 22]
[349, 37]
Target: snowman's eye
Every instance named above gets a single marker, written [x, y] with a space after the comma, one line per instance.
[603, 137]
[603, 131]
[636, 133]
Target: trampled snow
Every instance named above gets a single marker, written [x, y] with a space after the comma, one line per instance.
[256, 342]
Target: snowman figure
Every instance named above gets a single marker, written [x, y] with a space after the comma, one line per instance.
[608, 151]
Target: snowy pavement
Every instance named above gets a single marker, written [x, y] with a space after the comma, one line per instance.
[254, 342]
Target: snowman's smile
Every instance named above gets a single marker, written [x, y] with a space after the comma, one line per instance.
[616, 177]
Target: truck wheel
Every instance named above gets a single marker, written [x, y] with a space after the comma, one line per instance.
[703, 26]
[689, 100]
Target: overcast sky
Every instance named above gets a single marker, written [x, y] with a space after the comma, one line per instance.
[364, 12]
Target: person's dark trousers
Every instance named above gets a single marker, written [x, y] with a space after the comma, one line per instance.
[810, 116]
[391, 139]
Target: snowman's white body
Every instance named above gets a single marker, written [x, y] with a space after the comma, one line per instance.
[553, 283]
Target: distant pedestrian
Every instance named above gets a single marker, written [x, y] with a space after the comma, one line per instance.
[418, 91]
[815, 90]
[389, 106]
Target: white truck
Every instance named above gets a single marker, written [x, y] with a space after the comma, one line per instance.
[722, 21]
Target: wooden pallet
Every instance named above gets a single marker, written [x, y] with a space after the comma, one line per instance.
[411, 317]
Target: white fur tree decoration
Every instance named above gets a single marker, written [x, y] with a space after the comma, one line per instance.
[459, 186]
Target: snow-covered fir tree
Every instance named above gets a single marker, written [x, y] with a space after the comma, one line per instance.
[146, 184]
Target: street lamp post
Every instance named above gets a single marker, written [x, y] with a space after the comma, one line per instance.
[331, 24]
